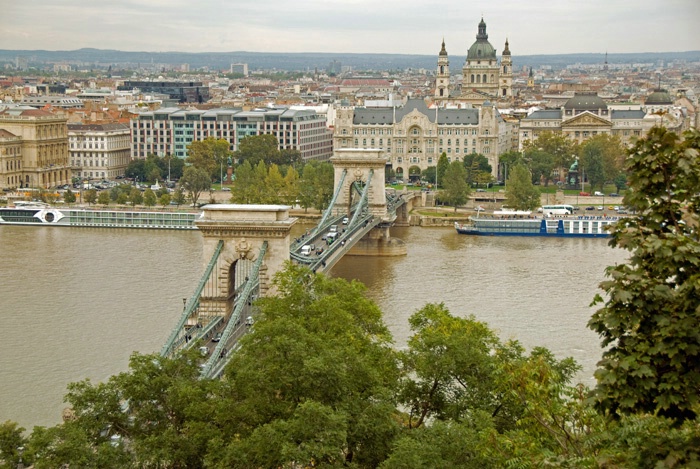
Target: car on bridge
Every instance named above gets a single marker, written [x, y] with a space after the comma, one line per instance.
[307, 249]
[346, 220]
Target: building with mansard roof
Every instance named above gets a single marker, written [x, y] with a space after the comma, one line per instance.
[483, 77]
[586, 115]
[413, 136]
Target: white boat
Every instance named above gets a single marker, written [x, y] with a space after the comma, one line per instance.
[40, 214]
[523, 223]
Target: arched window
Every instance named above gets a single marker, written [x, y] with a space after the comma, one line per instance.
[441, 91]
[442, 69]
[492, 80]
[478, 78]
[484, 78]
[472, 78]
[505, 69]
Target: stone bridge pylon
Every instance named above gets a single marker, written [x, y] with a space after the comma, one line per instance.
[367, 166]
[243, 229]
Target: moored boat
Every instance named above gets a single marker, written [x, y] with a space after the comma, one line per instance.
[39, 214]
[523, 223]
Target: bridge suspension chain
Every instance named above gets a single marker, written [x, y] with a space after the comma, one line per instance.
[193, 302]
[218, 359]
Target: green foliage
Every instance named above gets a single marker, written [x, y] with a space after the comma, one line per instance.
[149, 198]
[103, 198]
[11, 439]
[520, 193]
[69, 197]
[164, 200]
[135, 197]
[195, 181]
[314, 379]
[179, 196]
[602, 159]
[650, 318]
[429, 173]
[209, 155]
[442, 166]
[90, 196]
[455, 188]
[547, 152]
[265, 148]
[476, 165]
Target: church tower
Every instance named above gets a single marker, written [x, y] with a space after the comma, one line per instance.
[530, 80]
[481, 70]
[442, 81]
[506, 74]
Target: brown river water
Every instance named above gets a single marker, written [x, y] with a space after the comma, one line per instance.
[76, 302]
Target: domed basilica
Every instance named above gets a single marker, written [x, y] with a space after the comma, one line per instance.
[483, 78]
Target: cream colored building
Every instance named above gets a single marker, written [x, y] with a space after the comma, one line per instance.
[99, 150]
[413, 136]
[586, 115]
[44, 148]
[483, 78]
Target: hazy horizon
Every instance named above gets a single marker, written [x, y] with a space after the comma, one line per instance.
[407, 27]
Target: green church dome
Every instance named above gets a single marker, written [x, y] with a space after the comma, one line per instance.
[482, 48]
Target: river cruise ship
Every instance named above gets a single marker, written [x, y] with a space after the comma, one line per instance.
[523, 223]
[39, 214]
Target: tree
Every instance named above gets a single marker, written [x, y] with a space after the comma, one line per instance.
[620, 182]
[559, 150]
[90, 196]
[69, 197]
[11, 439]
[428, 174]
[541, 165]
[257, 148]
[122, 198]
[602, 158]
[476, 164]
[209, 155]
[290, 191]
[455, 188]
[103, 198]
[442, 166]
[135, 197]
[313, 382]
[244, 186]
[289, 157]
[508, 160]
[274, 183]
[179, 196]
[195, 181]
[650, 317]
[520, 193]
[149, 198]
[164, 200]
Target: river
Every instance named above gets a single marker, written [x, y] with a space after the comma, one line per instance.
[76, 302]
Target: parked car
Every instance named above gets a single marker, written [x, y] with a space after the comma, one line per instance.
[204, 351]
[590, 207]
[600, 207]
[613, 194]
[584, 194]
[598, 194]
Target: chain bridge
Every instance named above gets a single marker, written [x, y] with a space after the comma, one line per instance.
[247, 244]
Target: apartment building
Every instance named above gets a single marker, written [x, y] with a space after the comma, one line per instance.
[99, 150]
[171, 130]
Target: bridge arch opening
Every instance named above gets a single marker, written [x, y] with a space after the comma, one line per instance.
[238, 273]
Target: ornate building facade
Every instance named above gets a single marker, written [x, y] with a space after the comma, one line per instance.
[33, 149]
[483, 78]
[414, 136]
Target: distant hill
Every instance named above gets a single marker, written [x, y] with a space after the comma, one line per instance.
[310, 60]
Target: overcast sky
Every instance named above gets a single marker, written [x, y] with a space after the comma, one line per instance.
[362, 26]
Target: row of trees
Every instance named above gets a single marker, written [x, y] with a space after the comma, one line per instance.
[601, 157]
[317, 382]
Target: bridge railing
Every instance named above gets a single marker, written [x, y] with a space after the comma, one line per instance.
[191, 305]
[252, 287]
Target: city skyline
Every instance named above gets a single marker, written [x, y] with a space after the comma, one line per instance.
[352, 26]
